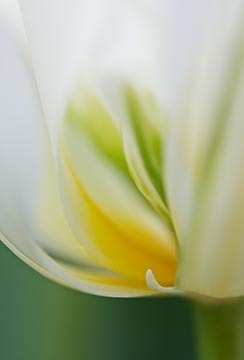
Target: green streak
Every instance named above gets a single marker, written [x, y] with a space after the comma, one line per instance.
[147, 138]
[223, 116]
[93, 122]
[220, 331]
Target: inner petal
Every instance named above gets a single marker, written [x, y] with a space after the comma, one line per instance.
[105, 210]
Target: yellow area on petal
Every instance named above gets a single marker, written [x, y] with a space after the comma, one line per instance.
[109, 280]
[122, 250]
[50, 220]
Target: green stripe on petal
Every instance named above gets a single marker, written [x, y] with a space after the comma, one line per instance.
[87, 116]
[143, 133]
[106, 212]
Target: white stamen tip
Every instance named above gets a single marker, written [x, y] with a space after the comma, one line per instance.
[153, 284]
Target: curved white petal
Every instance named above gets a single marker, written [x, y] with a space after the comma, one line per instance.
[144, 129]
[125, 233]
[191, 36]
[91, 37]
[211, 147]
[186, 25]
[183, 26]
[31, 226]
[74, 39]
[10, 13]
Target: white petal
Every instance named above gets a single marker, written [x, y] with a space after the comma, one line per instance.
[68, 38]
[183, 25]
[125, 233]
[210, 139]
[23, 148]
[178, 175]
[10, 12]
[143, 135]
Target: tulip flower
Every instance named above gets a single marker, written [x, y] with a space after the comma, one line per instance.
[121, 146]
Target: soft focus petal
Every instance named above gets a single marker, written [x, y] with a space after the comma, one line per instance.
[124, 233]
[210, 139]
[25, 151]
[92, 37]
[182, 29]
[185, 25]
[31, 220]
[9, 10]
[143, 130]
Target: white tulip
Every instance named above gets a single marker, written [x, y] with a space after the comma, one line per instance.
[121, 143]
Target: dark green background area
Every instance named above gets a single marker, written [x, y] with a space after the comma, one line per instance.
[40, 320]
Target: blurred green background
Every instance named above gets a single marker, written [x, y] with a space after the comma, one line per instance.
[40, 320]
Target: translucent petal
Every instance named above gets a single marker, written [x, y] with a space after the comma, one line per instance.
[125, 234]
[10, 14]
[143, 130]
[183, 26]
[32, 227]
[78, 40]
[70, 38]
[186, 26]
[211, 145]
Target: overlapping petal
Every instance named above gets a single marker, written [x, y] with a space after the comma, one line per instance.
[124, 233]
[210, 139]
[144, 129]
[32, 221]
[86, 46]
[145, 152]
